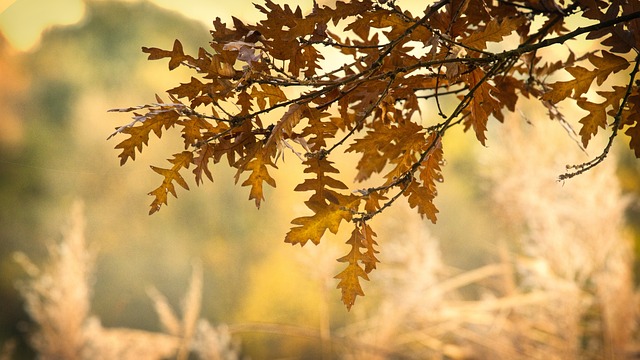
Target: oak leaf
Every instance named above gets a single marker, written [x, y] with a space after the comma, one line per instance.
[330, 207]
[270, 93]
[284, 127]
[317, 132]
[631, 118]
[158, 117]
[328, 214]
[320, 167]
[362, 253]
[481, 104]
[369, 244]
[373, 201]
[398, 85]
[176, 55]
[259, 159]
[201, 162]
[194, 129]
[597, 112]
[604, 66]
[422, 192]
[189, 90]
[634, 138]
[179, 161]
[350, 277]
[374, 147]
[494, 31]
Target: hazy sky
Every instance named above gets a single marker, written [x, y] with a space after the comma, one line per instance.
[22, 21]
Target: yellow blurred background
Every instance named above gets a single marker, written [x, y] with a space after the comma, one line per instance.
[64, 63]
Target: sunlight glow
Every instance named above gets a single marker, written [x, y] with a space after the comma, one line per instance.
[24, 21]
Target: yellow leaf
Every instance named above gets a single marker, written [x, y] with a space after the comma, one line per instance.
[368, 242]
[327, 216]
[350, 284]
[422, 191]
[176, 55]
[180, 160]
[259, 174]
[320, 167]
[421, 197]
[560, 90]
[154, 121]
[398, 143]
[329, 207]
[361, 237]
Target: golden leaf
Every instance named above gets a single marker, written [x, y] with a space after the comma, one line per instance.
[179, 161]
[361, 238]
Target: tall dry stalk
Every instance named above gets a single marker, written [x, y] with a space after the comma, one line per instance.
[413, 319]
[566, 292]
[57, 297]
[572, 238]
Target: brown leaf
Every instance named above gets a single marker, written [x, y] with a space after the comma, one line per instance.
[634, 138]
[201, 162]
[481, 104]
[284, 127]
[605, 66]
[632, 117]
[422, 192]
[494, 31]
[176, 54]
[597, 113]
[270, 93]
[189, 90]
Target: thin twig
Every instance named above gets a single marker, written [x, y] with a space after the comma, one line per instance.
[581, 168]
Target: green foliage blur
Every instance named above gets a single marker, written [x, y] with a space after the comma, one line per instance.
[59, 153]
[54, 151]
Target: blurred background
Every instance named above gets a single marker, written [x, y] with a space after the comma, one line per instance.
[510, 244]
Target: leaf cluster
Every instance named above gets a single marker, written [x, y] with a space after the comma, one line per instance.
[260, 90]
